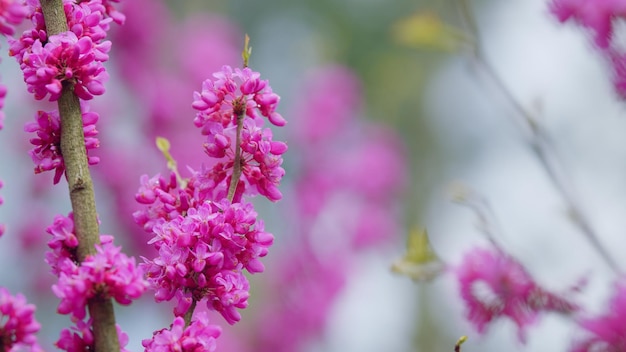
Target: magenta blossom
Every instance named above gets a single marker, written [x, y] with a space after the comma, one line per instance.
[241, 93]
[84, 19]
[65, 58]
[606, 332]
[494, 285]
[108, 273]
[600, 17]
[17, 323]
[200, 335]
[112, 11]
[80, 338]
[235, 92]
[12, 13]
[596, 15]
[202, 255]
[47, 152]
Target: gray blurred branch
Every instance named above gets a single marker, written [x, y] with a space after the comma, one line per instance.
[537, 140]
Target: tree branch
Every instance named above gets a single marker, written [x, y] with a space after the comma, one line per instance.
[80, 187]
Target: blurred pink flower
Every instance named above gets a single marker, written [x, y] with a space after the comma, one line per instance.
[494, 285]
[606, 332]
[12, 13]
[600, 17]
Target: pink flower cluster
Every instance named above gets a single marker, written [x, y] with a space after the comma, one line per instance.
[601, 18]
[47, 151]
[108, 274]
[204, 239]
[12, 13]
[202, 255]
[198, 336]
[241, 94]
[494, 285]
[71, 58]
[17, 323]
[74, 57]
[80, 338]
[606, 332]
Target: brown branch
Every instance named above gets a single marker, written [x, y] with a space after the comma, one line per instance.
[80, 187]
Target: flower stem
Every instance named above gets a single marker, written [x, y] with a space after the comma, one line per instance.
[189, 313]
[538, 142]
[80, 187]
[457, 346]
[234, 180]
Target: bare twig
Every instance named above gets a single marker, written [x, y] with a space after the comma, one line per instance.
[538, 142]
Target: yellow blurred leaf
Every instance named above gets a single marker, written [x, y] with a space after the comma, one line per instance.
[427, 30]
[163, 144]
[420, 262]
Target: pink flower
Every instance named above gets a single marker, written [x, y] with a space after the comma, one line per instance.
[12, 13]
[221, 101]
[606, 332]
[65, 58]
[331, 101]
[198, 336]
[494, 285]
[112, 12]
[108, 273]
[202, 255]
[241, 93]
[80, 338]
[17, 323]
[47, 152]
[62, 257]
[597, 15]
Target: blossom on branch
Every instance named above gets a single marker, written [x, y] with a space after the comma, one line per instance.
[200, 335]
[108, 273]
[494, 285]
[65, 58]
[80, 338]
[47, 152]
[17, 323]
[12, 13]
[202, 255]
[235, 94]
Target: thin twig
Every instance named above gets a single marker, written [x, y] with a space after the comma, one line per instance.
[189, 313]
[538, 142]
[234, 179]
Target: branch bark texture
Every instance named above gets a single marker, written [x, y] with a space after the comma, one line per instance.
[81, 187]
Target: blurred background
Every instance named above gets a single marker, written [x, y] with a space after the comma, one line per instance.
[386, 112]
